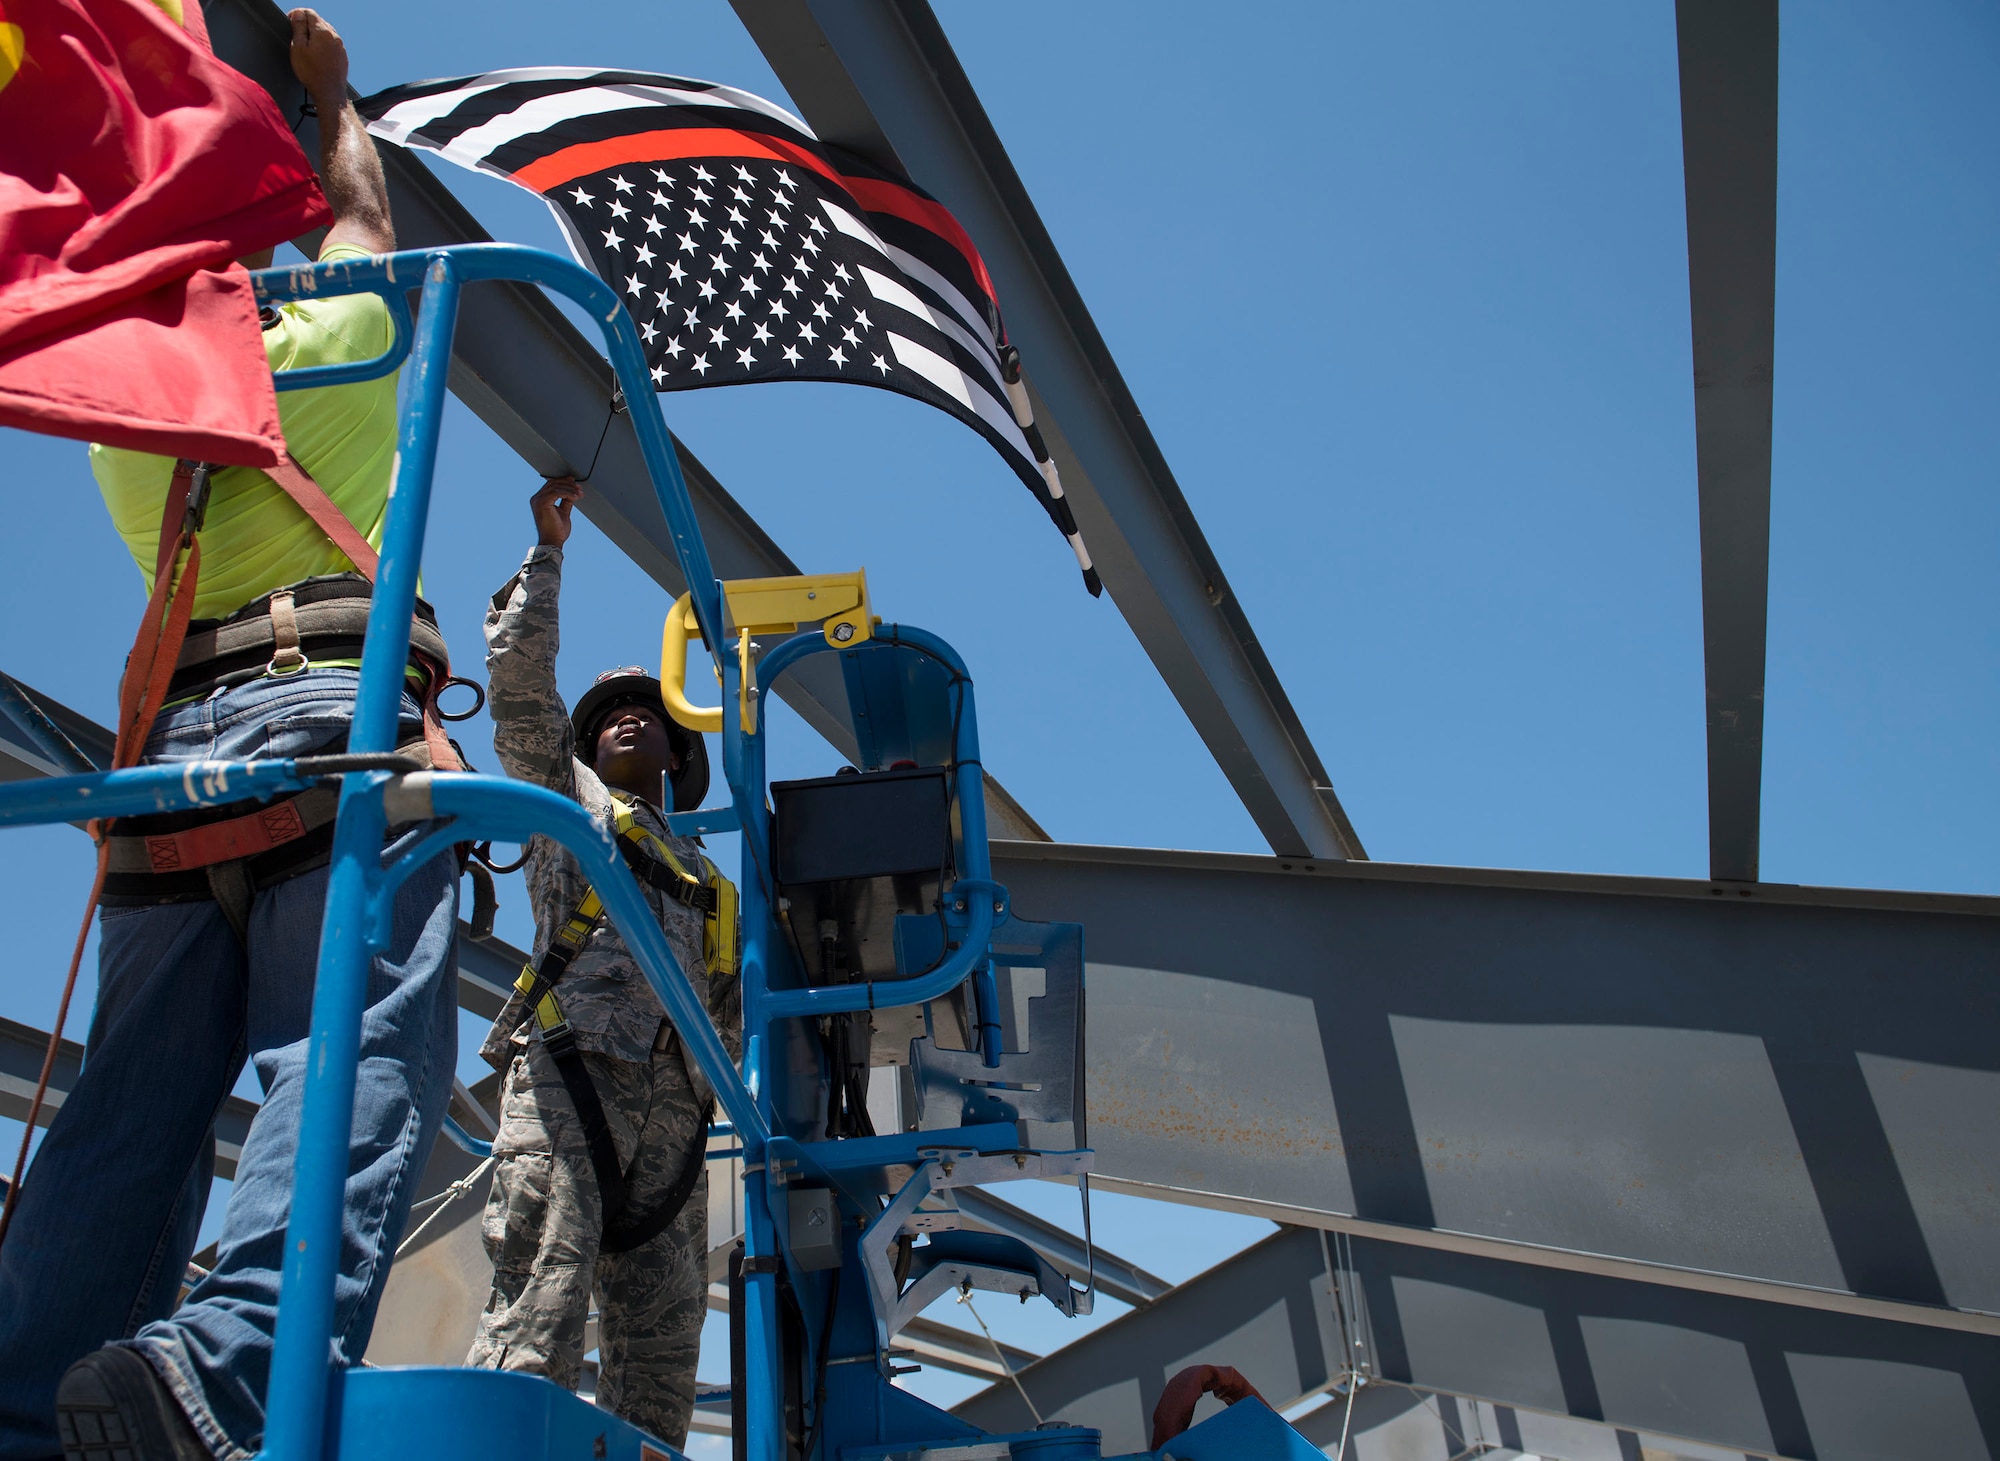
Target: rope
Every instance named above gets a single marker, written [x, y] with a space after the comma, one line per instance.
[55, 1042]
[141, 692]
[444, 1200]
[965, 1298]
[1347, 1419]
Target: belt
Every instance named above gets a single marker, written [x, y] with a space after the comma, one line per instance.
[241, 847]
[290, 629]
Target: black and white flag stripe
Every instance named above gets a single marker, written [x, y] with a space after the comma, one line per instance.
[744, 248]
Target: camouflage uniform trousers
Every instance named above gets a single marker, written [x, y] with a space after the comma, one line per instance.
[544, 1221]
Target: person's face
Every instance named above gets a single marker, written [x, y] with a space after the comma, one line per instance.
[634, 751]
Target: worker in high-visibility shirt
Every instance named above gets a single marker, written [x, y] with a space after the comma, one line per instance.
[210, 961]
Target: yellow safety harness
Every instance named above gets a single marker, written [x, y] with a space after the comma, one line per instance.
[653, 862]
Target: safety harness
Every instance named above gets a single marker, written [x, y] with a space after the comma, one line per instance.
[231, 853]
[231, 850]
[713, 896]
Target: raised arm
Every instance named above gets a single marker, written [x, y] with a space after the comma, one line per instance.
[531, 730]
[349, 171]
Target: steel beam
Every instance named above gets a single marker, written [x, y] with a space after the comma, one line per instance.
[1772, 1111]
[1126, 1282]
[879, 78]
[925, 1340]
[546, 391]
[1257, 1311]
[21, 1050]
[1729, 150]
[24, 751]
[1747, 1376]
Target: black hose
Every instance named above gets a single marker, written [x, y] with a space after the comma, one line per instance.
[819, 1368]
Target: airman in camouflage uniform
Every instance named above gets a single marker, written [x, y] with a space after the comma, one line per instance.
[544, 1220]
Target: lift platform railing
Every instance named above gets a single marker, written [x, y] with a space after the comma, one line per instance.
[891, 1186]
[375, 794]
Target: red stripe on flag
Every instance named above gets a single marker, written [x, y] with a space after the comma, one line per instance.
[877, 196]
[545, 174]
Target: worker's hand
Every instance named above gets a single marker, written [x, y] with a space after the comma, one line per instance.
[319, 60]
[551, 505]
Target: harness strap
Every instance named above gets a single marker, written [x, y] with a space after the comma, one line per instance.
[298, 485]
[312, 500]
[611, 1187]
[662, 871]
[536, 986]
[242, 836]
[623, 1234]
[286, 657]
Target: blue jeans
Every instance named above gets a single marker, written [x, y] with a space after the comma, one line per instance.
[109, 1213]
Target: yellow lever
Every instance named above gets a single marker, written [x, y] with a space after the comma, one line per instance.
[681, 629]
[837, 602]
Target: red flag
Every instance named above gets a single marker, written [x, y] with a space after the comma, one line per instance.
[134, 168]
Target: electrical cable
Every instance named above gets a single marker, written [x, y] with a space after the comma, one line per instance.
[819, 1369]
[617, 406]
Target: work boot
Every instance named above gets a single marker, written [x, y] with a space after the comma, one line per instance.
[113, 1406]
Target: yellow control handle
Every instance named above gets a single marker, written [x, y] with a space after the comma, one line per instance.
[682, 629]
[837, 602]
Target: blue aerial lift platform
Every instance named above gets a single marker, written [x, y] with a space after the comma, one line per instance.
[846, 1237]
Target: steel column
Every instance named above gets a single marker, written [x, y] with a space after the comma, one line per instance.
[1729, 148]
[880, 78]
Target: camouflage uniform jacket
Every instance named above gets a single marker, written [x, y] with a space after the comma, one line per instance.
[604, 993]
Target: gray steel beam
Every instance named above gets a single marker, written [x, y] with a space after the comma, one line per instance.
[1732, 1136]
[926, 1340]
[1126, 1282]
[1729, 149]
[1780, 1092]
[1256, 1311]
[22, 1048]
[1755, 1377]
[962, 1353]
[546, 391]
[879, 78]
[23, 752]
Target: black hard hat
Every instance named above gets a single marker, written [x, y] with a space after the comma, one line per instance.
[633, 686]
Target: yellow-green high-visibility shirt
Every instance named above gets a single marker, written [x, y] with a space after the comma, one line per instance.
[255, 538]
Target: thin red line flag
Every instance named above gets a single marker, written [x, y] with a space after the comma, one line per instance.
[744, 248]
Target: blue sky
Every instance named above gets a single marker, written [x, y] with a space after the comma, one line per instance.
[1403, 293]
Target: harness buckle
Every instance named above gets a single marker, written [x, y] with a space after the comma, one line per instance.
[197, 498]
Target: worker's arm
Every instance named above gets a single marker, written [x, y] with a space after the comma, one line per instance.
[531, 730]
[349, 171]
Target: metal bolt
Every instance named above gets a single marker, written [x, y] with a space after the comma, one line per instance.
[842, 633]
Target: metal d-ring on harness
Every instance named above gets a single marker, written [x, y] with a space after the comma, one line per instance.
[653, 863]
